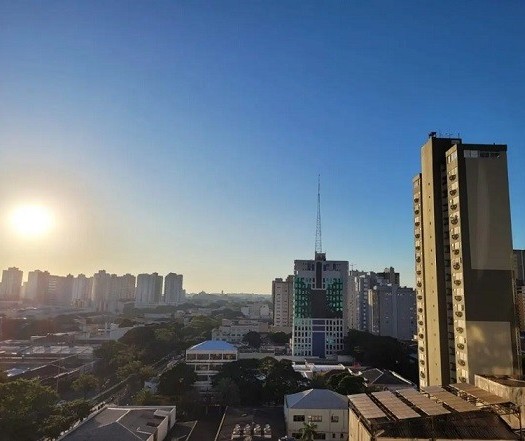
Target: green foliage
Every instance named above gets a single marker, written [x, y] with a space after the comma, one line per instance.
[133, 367]
[85, 383]
[24, 404]
[177, 380]
[253, 339]
[279, 338]
[145, 397]
[3, 376]
[266, 380]
[308, 431]
[64, 417]
[383, 353]
[318, 382]
[347, 384]
[226, 392]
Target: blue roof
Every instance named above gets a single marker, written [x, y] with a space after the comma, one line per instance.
[316, 399]
[213, 345]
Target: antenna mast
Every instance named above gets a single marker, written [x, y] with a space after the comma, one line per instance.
[318, 238]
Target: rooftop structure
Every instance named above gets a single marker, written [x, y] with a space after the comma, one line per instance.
[409, 414]
[258, 422]
[123, 423]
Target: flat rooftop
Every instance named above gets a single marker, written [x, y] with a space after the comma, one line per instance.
[252, 416]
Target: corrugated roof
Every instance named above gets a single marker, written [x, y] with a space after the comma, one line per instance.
[399, 409]
[316, 399]
[213, 345]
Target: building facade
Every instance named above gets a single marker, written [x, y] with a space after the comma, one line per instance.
[320, 315]
[11, 284]
[326, 409]
[207, 358]
[392, 311]
[37, 285]
[463, 252]
[173, 292]
[149, 290]
[282, 296]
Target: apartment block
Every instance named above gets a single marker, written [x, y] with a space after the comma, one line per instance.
[463, 252]
[282, 299]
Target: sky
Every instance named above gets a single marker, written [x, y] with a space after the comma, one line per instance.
[187, 136]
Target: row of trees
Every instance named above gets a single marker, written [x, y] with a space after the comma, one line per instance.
[29, 411]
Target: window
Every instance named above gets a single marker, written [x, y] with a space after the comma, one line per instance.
[320, 436]
[315, 418]
[335, 419]
[298, 417]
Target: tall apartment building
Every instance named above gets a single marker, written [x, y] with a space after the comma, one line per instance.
[59, 290]
[122, 287]
[282, 299]
[173, 292]
[37, 286]
[11, 284]
[149, 290]
[392, 311]
[100, 289]
[463, 253]
[320, 318]
[518, 266]
[82, 287]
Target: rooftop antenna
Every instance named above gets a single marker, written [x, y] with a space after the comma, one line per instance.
[318, 238]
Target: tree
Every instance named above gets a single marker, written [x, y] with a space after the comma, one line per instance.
[145, 397]
[64, 417]
[133, 367]
[253, 339]
[226, 392]
[318, 382]
[350, 384]
[24, 405]
[279, 338]
[247, 376]
[308, 432]
[3, 376]
[177, 380]
[85, 383]
[281, 379]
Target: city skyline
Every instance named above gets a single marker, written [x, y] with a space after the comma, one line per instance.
[190, 136]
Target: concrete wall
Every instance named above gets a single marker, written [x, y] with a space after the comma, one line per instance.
[325, 426]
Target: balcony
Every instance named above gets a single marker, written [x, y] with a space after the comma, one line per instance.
[453, 192]
[458, 298]
[456, 266]
[452, 177]
[457, 282]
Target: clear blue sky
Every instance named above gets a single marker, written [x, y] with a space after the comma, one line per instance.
[187, 136]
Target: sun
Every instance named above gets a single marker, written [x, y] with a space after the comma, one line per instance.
[31, 220]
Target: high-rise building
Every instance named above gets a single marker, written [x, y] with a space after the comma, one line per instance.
[463, 253]
[82, 288]
[173, 292]
[100, 290]
[392, 311]
[320, 318]
[518, 266]
[149, 290]
[37, 286]
[282, 296]
[59, 290]
[11, 284]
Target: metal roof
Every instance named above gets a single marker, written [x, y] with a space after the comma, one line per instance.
[451, 400]
[213, 345]
[316, 399]
[399, 409]
[428, 406]
[366, 407]
[479, 394]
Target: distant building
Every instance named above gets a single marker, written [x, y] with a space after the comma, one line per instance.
[173, 292]
[207, 358]
[37, 286]
[233, 331]
[319, 308]
[60, 290]
[282, 297]
[82, 287]
[11, 284]
[326, 409]
[518, 266]
[392, 311]
[122, 287]
[125, 423]
[100, 290]
[149, 290]
[463, 246]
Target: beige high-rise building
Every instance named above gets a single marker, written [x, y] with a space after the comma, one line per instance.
[282, 297]
[463, 251]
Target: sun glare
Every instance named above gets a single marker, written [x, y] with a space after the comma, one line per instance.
[31, 220]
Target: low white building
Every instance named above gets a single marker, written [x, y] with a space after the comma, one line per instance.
[326, 409]
[234, 331]
[207, 358]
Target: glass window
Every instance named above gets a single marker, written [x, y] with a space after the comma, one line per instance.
[298, 417]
